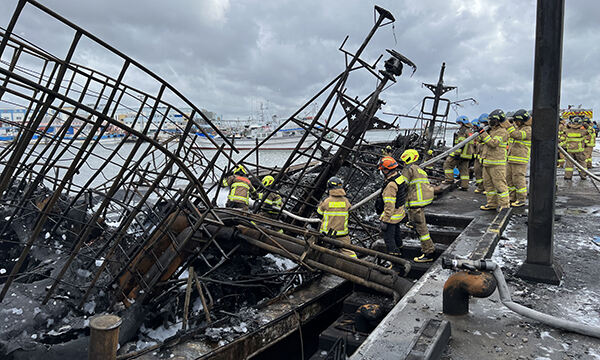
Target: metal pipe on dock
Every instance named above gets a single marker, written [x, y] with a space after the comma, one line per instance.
[370, 275]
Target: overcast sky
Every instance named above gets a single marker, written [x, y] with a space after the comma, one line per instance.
[229, 56]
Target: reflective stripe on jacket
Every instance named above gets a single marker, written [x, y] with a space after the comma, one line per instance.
[335, 213]
[573, 138]
[272, 203]
[466, 152]
[394, 197]
[591, 142]
[519, 144]
[494, 143]
[420, 191]
[241, 188]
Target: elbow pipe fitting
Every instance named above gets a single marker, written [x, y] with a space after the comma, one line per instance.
[461, 286]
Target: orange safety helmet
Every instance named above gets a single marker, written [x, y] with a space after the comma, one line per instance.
[388, 163]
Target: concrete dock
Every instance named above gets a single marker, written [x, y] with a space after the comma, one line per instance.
[417, 328]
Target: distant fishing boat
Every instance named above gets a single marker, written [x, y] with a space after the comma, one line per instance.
[284, 139]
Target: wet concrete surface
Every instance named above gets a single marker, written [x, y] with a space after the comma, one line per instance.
[490, 330]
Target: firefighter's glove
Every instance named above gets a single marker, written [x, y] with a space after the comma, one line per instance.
[383, 226]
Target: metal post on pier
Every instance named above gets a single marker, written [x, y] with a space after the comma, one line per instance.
[539, 265]
[104, 337]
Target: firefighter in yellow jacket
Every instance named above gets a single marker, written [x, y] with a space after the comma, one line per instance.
[590, 142]
[493, 155]
[573, 141]
[519, 149]
[460, 158]
[272, 205]
[391, 204]
[419, 195]
[334, 210]
[241, 189]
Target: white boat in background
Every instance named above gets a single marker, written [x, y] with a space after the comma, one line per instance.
[253, 135]
[284, 139]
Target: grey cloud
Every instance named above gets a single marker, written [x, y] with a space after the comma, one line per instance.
[283, 51]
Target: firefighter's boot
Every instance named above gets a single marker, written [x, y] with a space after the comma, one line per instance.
[424, 258]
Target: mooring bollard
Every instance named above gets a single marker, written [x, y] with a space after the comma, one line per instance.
[104, 337]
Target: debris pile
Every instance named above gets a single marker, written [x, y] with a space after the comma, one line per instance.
[98, 215]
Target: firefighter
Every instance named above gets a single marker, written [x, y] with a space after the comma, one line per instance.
[272, 205]
[334, 210]
[590, 143]
[519, 149]
[241, 189]
[391, 204]
[477, 167]
[419, 195]
[387, 151]
[562, 126]
[460, 158]
[493, 156]
[573, 141]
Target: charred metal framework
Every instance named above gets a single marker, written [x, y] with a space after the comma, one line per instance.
[95, 208]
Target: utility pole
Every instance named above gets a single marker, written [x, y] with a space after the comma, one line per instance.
[539, 265]
[438, 90]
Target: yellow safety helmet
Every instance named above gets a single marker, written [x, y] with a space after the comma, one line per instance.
[268, 180]
[409, 156]
[387, 150]
[240, 168]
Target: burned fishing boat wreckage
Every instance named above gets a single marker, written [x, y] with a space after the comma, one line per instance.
[128, 243]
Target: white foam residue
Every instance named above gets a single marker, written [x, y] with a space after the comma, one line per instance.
[113, 223]
[14, 311]
[545, 334]
[582, 307]
[242, 327]
[161, 333]
[197, 306]
[83, 273]
[184, 275]
[594, 354]
[281, 262]
[144, 344]
[89, 307]
[477, 332]
[2, 271]
[47, 236]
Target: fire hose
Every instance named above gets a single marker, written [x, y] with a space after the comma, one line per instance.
[376, 193]
[432, 161]
[424, 164]
[504, 292]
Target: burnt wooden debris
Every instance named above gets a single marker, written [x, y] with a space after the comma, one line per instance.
[101, 215]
